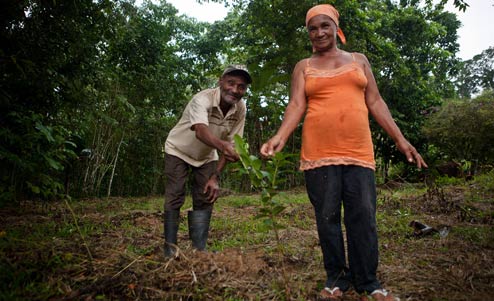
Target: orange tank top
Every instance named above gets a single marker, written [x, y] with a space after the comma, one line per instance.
[336, 128]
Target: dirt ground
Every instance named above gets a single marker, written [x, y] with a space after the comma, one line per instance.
[456, 264]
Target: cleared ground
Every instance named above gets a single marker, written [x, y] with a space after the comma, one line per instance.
[111, 249]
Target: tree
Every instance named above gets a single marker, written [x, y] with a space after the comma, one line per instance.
[464, 129]
[412, 55]
[151, 66]
[410, 46]
[476, 74]
[46, 60]
[89, 90]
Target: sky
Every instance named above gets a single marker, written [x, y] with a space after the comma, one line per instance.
[206, 12]
[475, 35]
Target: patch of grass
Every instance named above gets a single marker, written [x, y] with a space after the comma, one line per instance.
[235, 232]
[481, 235]
[244, 229]
[448, 181]
[42, 254]
[393, 225]
[29, 279]
[486, 181]
[139, 250]
[408, 190]
[146, 204]
[301, 220]
[293, 197]
[481, 189]
[240, 201]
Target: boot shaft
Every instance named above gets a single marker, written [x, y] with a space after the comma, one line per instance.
[171, 222]
[199, 227]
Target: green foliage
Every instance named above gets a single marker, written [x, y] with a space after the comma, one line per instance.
[476, 74]
[46, 59]
[89, 92]
[34, 159]
[90, 89]
[411, 63]
[265, 179]
[410, 46]
[447, 181]
[147, 74]
[464, 130]
[486, 181]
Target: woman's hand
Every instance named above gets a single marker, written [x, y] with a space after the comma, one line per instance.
[411, 153]
[272, 146]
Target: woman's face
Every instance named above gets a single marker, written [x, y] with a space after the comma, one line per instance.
[322, 32]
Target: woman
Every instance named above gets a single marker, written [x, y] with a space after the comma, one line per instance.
[336, 90]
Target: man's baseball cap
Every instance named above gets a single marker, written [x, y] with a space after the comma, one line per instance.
[238, 69]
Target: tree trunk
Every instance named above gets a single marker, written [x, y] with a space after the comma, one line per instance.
[113, 168]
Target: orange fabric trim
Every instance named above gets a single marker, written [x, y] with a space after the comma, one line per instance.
[314, 72]
[306, 165]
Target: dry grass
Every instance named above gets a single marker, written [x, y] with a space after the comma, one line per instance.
[44, 257]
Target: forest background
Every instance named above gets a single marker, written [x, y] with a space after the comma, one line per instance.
[90, 89]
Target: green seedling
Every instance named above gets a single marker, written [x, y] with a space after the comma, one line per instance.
[264, 177]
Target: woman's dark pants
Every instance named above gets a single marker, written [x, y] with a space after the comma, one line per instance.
[329, 188]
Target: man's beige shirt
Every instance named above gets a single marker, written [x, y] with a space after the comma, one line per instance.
[204, 108]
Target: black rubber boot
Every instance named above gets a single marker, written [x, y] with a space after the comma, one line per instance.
[199, 228]
[172, 218]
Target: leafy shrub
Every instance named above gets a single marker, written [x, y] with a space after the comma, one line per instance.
[486, 181]
[33, 159]
[464, 130]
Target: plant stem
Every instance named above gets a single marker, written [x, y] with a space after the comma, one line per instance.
[90, 256]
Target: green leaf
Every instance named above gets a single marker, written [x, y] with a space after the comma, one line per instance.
[35, 189]
[266, 174]
[54, 164]
[46, 131]
[269, 222]
[278, 209]
[68, 142]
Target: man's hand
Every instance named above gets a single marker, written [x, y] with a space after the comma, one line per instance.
[212, 189]
[272, 146]
[226, 148]
[411, 153]
[228, 151]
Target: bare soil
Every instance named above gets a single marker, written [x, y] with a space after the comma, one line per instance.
[457, 265]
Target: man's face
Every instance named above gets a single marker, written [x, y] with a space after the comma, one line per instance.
[232, 88]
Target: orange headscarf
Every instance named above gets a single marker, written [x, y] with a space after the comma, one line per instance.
[330, 11]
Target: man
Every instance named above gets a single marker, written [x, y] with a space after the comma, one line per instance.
[207, 127]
